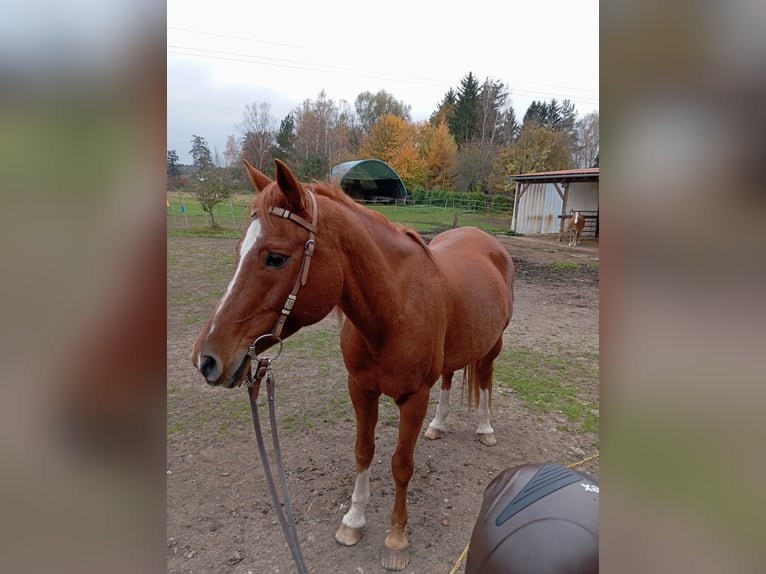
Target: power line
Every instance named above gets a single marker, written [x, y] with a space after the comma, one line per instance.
[232, 37]
[558, 90]
[341, 70]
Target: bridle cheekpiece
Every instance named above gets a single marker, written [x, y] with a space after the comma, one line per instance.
[300, 281]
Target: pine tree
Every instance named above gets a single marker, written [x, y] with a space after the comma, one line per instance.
[200, 152]
[284, 139]
[464, 121]
[445, 110]
[173, 163]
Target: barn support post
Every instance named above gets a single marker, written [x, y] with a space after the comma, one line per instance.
[565, 200]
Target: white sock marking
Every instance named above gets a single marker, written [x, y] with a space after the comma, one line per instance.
[442, 410]
[484, 426]
[252, 235]
[354, 518]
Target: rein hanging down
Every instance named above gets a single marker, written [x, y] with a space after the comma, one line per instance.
[263, 371]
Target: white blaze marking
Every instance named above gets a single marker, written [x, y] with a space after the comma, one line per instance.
[442, 410]
[252, 235]
[484, 426]
[354, 518]
[577, 216]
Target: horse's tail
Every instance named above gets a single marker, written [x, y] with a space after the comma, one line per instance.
[339, 315]
[472, 385]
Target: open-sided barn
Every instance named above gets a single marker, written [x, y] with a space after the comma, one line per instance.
[542, 200]
[370, 180]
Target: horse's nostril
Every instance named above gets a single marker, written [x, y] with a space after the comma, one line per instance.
[207, 366]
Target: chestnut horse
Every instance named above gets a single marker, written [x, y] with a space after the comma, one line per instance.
[575, 226]
[412, 312]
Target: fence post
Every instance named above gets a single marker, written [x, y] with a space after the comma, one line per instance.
[183, 207]
[173, 211]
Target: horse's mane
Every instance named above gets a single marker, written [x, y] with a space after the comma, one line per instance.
[335, 192]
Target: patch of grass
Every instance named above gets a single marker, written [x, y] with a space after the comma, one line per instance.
[218, 231]
[180, 299]
[226, 416]
[176, 427]
[188, 200]
[433, 219]
[550, 383]
[316, 344]
[565, 265]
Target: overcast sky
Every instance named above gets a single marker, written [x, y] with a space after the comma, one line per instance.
[227, 54]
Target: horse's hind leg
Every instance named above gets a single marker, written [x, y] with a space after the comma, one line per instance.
[437, 428]
[366, 411]
[482, 371]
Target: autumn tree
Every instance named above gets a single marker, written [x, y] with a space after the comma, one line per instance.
[437, 150]
[587, 146]
[371, 107]
[211, 187]
[392, 140]
[231, 153]
[257, 128]
[493, 105]
[536, 149]
[473, 165]
[321, 136]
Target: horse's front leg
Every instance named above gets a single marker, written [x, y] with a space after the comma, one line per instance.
[366, 410]
[412, 411]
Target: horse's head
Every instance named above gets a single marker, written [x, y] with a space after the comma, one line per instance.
[270, 263]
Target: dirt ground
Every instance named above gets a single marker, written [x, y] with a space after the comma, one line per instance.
[219, 514]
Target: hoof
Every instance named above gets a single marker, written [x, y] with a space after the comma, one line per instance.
[487, 438]
[434, 433]
[395, 559]
[348, 536]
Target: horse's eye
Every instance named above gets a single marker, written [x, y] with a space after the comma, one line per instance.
[276, 259]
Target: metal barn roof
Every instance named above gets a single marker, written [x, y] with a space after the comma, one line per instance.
[585, 174]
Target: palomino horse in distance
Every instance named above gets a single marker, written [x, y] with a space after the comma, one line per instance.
[575, 225]
[412, 312]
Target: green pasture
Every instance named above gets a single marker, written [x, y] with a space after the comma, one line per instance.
[430, 219]
[185, 216]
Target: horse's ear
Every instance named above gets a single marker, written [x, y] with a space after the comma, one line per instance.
[259, 180]
[290, 187]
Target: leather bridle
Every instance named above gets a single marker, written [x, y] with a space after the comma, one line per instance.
[308, 251]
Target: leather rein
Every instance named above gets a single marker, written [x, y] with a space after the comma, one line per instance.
[263, 371]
